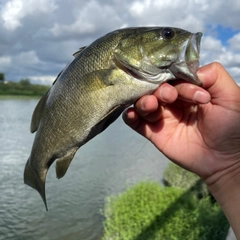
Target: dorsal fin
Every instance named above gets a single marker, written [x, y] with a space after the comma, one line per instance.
[79, 51]
[39, 109]
[38, 112]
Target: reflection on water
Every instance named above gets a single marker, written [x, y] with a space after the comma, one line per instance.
[106, 165]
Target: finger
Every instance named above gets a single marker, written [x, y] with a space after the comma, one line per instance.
[166, 93]
[131, 118]
[149, 108]
[146, 105]
[192, 93]
[140, 125]
[215, 75]
[217, 81]
[150, 103]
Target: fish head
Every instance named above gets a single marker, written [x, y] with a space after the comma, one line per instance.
[161, 54]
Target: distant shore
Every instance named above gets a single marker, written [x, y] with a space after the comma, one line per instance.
[18, 97]
[22, 89]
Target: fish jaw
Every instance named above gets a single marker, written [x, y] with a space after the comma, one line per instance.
[188, 64]
[172, 59]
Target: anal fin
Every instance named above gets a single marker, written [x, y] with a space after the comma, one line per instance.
[63, 163]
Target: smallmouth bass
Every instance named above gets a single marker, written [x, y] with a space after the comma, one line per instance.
[102, 80]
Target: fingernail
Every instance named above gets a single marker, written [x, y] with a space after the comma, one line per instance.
[201, 97]
[165, 93]
[143, 103]
[200, 75]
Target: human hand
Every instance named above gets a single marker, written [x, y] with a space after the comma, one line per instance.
[197, 128]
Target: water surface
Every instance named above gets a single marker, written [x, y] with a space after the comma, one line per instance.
[117, 158]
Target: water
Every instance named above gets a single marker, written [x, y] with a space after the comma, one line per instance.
[105, 166]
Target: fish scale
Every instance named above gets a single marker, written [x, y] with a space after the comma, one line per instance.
[101, 81]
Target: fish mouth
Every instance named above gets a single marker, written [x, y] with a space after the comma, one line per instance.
[188, 63]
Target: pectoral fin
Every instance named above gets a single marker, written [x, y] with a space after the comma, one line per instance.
[107, 119]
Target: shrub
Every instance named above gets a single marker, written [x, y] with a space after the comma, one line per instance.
[150, 212]
[176, 176]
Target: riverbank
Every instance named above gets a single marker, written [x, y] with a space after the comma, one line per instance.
[22, 89]
[184, 207]
[18, 97]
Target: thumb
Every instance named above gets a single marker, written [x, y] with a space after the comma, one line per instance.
[218, 82]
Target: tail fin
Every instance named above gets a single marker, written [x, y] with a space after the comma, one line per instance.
[32, 179]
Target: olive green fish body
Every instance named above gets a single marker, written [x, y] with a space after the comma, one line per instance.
[101, 81]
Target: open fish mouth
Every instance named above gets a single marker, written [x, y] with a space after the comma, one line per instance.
[188, 63]
[183, 65]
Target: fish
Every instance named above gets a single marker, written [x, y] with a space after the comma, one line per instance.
[102, 80]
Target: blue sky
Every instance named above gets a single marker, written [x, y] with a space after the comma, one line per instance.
[38, 38]
[224, 33]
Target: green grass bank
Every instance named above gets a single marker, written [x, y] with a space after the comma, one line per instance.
[149, 211]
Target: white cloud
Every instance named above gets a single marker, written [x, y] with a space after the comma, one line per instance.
[138, 8]
[177, 13]
[38, 38]
[46, 79]
[235, 42]
[213, 50]
[29, 58]
[235, 73]
[211, 47]
[15, 10]
[92, 17]
[11, 14]
[230, 59]
[5, 61]
[73, 29]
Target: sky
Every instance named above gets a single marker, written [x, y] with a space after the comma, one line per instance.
[39, 37]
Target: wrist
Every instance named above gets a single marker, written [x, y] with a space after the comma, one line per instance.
[225, 188]
[224, 184]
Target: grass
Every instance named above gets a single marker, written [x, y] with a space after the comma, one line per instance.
[148, 211]
[175, 176]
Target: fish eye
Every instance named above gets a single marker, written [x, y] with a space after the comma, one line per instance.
[168, 33]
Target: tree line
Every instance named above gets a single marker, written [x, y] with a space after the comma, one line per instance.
[22, 88]
[2, 77]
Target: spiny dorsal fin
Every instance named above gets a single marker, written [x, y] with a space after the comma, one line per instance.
[79, 51]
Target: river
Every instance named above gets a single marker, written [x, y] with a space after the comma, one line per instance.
[105, 166]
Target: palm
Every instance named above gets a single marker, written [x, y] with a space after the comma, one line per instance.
[187, 134]
[204, 138]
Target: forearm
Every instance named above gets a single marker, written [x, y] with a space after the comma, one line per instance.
[225, 187]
